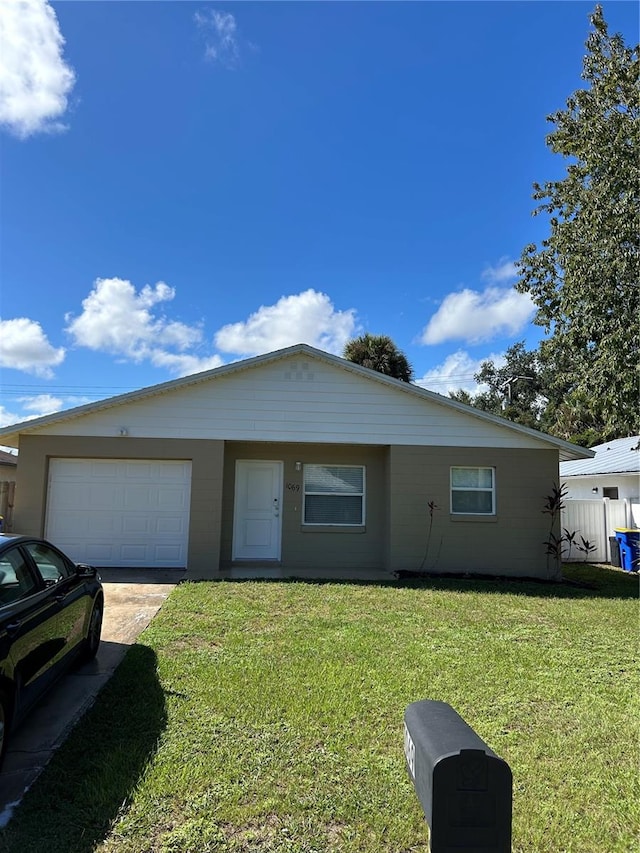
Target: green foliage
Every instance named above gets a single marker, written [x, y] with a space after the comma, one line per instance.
[555, 544]
[584, 278]
[379, 352]
[515, 391]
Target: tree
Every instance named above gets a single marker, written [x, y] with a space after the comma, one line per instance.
[584, 278]
[515, 391]
[378, 352]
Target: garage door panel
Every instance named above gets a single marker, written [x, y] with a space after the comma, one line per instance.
[139, 497]
[170, 525]
[172, 498]
[120, 512]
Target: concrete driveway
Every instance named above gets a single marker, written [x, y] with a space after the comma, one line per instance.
[132, 599]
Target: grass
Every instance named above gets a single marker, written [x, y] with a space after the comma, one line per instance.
[261, 716]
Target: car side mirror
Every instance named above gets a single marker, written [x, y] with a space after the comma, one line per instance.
[85, 571]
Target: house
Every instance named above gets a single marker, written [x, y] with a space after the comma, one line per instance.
[8, 465]
[297, 460]
[613, 472]
[603, 493]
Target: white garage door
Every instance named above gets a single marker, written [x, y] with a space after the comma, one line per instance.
[120, 512]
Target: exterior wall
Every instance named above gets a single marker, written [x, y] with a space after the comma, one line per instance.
[206, 484]
[297, 399]
[509, 543]
[400, 482]
[581, 488]
[313, 548]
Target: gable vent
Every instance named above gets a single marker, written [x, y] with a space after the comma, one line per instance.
[299, 372]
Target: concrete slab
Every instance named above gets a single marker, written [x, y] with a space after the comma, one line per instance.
[132, 599]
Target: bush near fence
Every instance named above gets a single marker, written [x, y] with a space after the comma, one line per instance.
[597, 520]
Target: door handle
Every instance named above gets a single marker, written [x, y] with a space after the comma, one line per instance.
[12, 628]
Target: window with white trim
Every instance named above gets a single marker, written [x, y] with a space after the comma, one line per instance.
[473, 491]
[334, 495]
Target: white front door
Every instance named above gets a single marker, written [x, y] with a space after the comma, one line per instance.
[257, 522]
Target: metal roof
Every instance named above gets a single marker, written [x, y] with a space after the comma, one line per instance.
[620, 456]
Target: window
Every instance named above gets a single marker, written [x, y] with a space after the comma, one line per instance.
[473, 491]
[16, 581]
[610, 492]
[334, 494]
[52, 565]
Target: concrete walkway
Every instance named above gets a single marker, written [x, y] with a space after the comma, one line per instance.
[132, 599]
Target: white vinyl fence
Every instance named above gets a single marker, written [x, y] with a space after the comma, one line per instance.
[596, 521]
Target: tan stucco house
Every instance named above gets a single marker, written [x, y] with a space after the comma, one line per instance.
[296, 459]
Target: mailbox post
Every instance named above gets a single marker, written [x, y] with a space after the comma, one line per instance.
[464, 788]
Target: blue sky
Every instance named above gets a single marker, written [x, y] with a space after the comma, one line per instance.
[187, 184]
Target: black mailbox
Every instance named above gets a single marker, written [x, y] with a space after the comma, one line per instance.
[463, 787]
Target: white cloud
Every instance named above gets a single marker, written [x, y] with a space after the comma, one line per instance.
[505, 270]
[24, 346]
[42, 404]
[183, 364]
[307, 317]
[474, 316]
[35, 81]
[7, 418]
[123, 322]
[456, 372]
[220, 33]
[118, 320]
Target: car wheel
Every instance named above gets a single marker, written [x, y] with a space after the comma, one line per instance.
[92, 640]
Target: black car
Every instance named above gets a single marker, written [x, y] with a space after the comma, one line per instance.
[50, 617]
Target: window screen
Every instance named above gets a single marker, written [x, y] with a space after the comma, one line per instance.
[334, 494]
[473, 491]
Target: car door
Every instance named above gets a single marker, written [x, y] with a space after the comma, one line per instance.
[61, 579]
[29, 631]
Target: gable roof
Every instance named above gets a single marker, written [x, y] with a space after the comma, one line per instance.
[10, 435]
[620, 456]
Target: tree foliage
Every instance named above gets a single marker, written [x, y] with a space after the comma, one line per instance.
[379, 352]
[514, 390]
[584, 277]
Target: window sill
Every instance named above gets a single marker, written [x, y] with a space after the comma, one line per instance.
[331, 528]
[483, 519]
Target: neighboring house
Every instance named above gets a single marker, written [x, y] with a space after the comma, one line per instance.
[8, 465]
[613, 472]
[296, 459]
[603, 493]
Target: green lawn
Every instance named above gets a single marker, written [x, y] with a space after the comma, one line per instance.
[268, 716]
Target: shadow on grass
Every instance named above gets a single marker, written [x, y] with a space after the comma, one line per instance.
[580, 580]
[90, 778]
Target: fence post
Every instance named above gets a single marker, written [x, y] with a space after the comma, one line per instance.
[7, 494]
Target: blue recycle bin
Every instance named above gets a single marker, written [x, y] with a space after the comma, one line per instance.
[629, 542]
